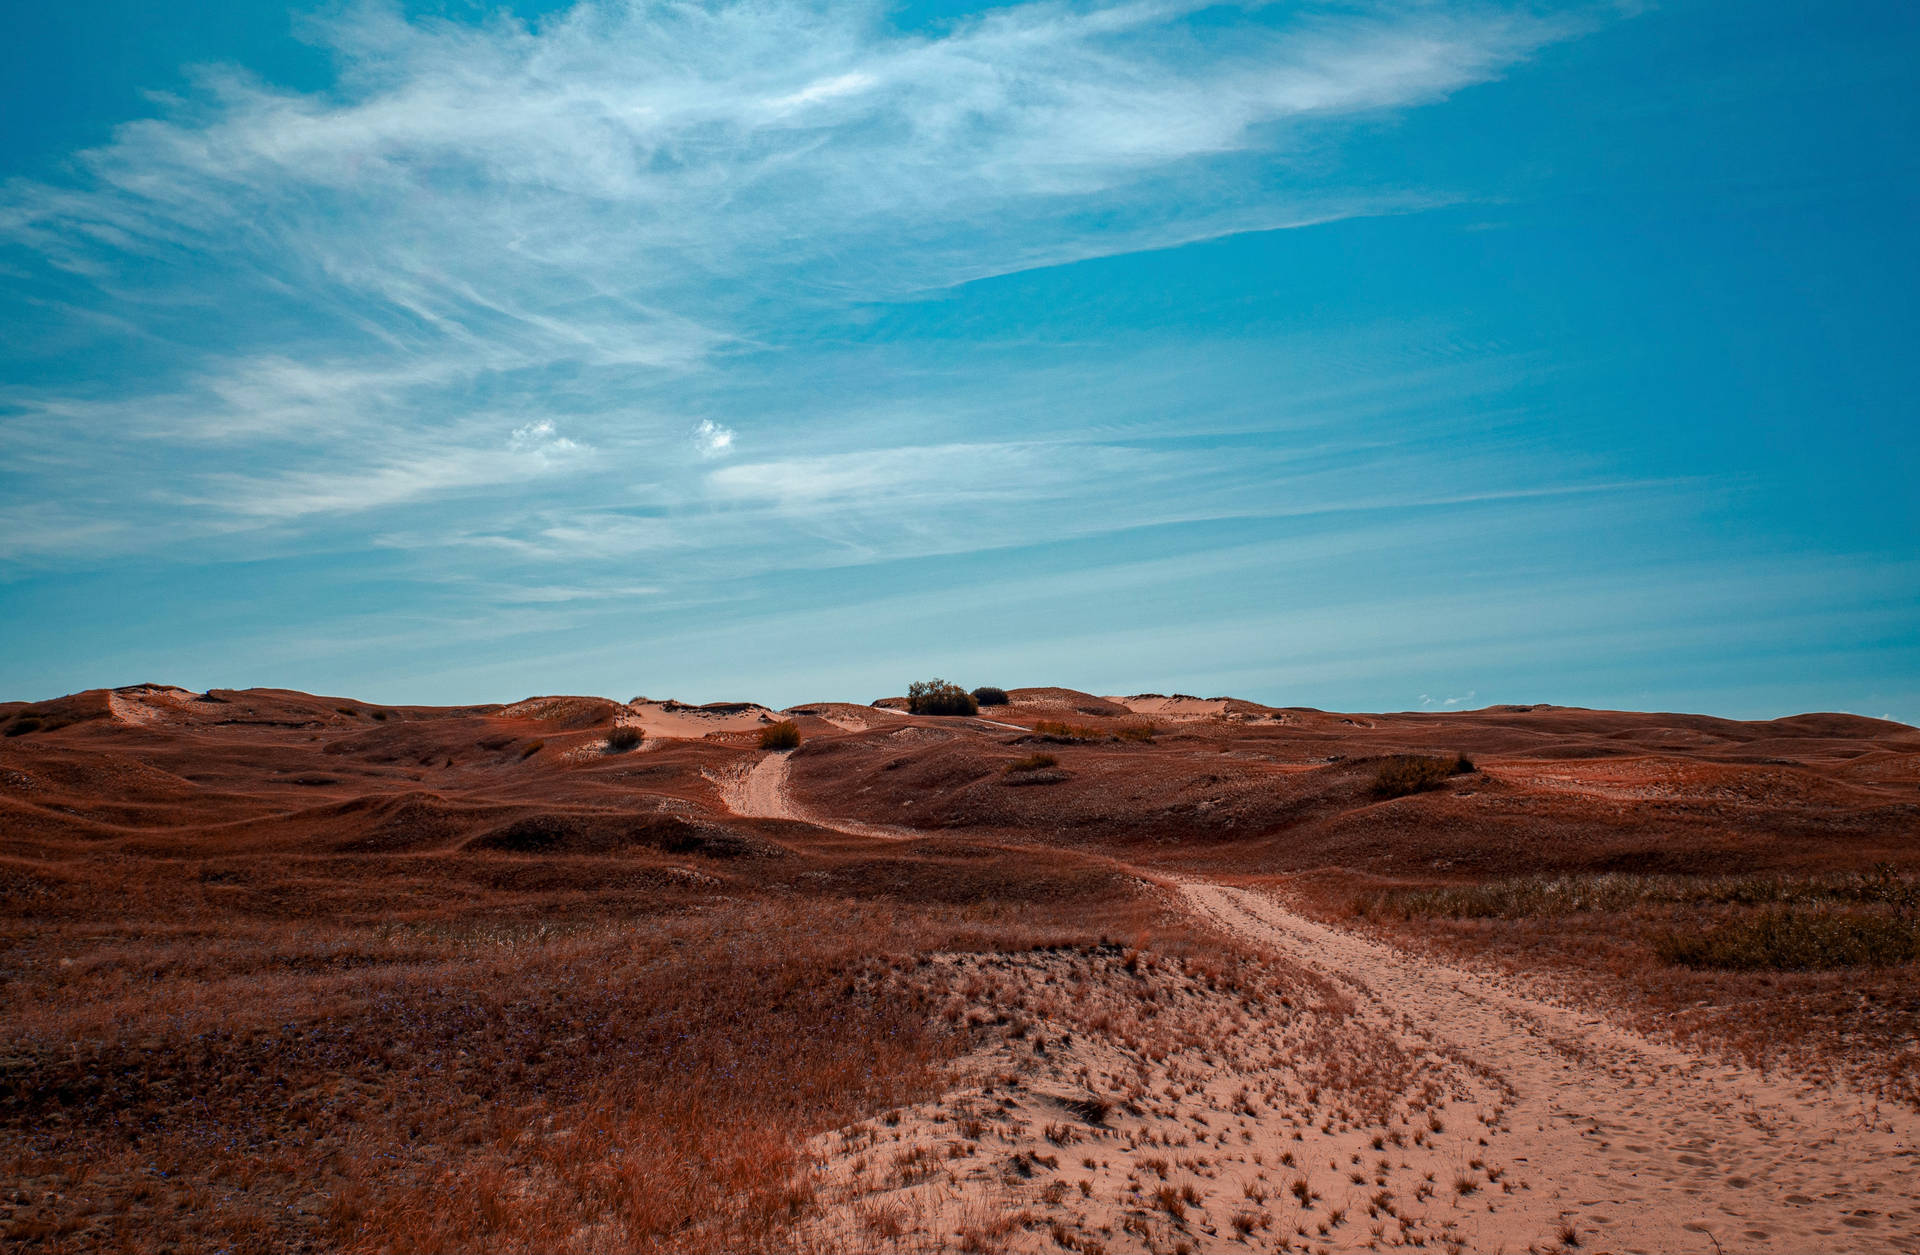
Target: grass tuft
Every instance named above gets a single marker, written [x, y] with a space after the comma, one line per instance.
[1066, 733]
[1786, 939]
[1403, 774]
[784, 735]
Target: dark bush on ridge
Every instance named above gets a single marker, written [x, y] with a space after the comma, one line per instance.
[940, 697]
[987, 695]
[625, 737]
[784, 735]
[1416, 773]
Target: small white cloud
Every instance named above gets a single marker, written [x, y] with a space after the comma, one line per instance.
[540, 437]
[712, 439]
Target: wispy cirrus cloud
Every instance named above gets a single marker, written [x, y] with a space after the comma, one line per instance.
[553, 220]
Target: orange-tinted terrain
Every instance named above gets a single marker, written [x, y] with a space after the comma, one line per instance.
[1079, 973]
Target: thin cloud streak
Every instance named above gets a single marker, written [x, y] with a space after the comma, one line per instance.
[630, 194]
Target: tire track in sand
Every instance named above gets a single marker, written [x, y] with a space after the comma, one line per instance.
[1640, 1145]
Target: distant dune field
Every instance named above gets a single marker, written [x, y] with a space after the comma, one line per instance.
[1141, 973]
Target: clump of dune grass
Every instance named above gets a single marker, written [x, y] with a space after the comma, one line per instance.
[1789, 939]
[1527, 897]
[1032, 762]
[624, 737]
[1053, 730]
[784, 735]
[1403, 774]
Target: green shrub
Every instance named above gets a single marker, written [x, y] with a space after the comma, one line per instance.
[1032, 762]
[625, 737]
[987, 695]
[1416, 773]
[939, 697]
[1778, 939]
[784, 735]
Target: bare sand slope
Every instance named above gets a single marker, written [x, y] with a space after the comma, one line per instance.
[1640, 1145]
[761, 793]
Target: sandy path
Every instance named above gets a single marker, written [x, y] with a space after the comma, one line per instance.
[762, 793]
[1644, 1147]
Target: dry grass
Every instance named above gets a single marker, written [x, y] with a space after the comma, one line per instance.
[1054, 730]
[1032, 762]
[1783, 940]
[1521, 897]
[1811, 971]
[784, 735]
[283, 1053]
[1403, 774]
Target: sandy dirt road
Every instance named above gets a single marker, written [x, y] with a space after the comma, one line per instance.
[1642, 1146]
[762, 793]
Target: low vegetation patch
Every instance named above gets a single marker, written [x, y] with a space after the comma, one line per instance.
[1526, 897]
[1051, 730]
[1786, 940]
[1403, 774]
[784, 735]
[624, 737]
[940, 697]
[532, 748]
[1032, 762]
[987, 695]
[1142, 732]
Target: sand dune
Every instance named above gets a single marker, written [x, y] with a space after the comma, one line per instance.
[1140, 974]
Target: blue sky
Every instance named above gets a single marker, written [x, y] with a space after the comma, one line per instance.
[1366, 356]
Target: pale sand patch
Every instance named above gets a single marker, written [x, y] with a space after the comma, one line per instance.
[1175, 709]
[1156, 1108]
[1640, 1145]
[1416, 1103]
[147, 705]
[690, 723]
[847, 716]
[760, 792]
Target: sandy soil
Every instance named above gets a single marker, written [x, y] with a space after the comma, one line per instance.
[672, 719]
[1643, 1146]
[761, 792]
[1388, 1102]
[1175, 709]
